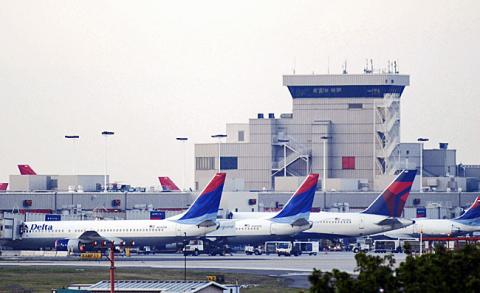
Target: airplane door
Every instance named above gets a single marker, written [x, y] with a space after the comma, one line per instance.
[178, 230]
[7, 229]
[361, 225]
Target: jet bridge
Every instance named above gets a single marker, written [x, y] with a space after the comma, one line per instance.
[10, 226]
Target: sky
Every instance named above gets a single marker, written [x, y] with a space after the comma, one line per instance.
[154, 70]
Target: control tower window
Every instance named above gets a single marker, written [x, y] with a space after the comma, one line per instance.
[355, 106]
[241, 135]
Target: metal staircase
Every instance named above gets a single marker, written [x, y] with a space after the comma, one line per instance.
[295, 151]
[387, 133]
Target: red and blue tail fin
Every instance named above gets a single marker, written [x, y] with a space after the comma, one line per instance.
[26, 170]
[167, 184]
[3, 186]
[473, 212]
[205, 207]
[391, 201]
[300, 203]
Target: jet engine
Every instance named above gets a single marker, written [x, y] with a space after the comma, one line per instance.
[70, 245]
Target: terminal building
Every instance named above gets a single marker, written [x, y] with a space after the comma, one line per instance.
[345, 127]
[348, 124]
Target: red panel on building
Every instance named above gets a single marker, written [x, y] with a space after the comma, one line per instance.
[348, 163]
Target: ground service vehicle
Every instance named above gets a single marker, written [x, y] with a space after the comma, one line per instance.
[250, 249]
[363, 244]
[307, 247]
[197, 247]
[383, 246]
[286, 248]
[272, 246]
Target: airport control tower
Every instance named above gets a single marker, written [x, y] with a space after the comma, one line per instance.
[348, 124]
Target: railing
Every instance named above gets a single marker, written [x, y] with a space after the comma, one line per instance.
[297, 151]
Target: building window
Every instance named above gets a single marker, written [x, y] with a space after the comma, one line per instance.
[355, 106]
[205, 163]
[228, 163]
[348, 163]
[241, 135]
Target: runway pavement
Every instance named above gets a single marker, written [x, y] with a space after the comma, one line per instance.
[263, 264]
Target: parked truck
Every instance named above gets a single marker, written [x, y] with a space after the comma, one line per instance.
[307, 247]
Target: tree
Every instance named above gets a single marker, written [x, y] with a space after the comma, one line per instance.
[441, 271]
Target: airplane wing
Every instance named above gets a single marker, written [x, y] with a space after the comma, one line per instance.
[389, 222]
[91, 236]
[301, 222]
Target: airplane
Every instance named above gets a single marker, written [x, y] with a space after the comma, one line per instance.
[79, 236]
[382, 214]
[292, 219]
[26, 170]
[466, 223]
[167, 184]
[3, 186]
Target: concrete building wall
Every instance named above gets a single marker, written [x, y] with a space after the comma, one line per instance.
[440, 162]
[73, 205]
[28, 182]
[238, 133]
[81, 182]
[360, 115]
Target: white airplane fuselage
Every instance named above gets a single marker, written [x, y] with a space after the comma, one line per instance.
[250, 231]
[434, 227]
[338, 225]
[142, 232]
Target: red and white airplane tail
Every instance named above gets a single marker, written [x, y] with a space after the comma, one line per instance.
[26, 170]
[167, 184]
[3, 186]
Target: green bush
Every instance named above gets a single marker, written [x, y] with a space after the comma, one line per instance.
[442, 271]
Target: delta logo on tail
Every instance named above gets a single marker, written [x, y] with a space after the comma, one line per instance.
[472, 213]
[391, 201]
[167, 184]
[3, 186]
[300, 204]
[26, 170]
[205, 207]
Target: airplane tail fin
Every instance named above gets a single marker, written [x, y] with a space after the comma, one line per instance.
[167, 184]
[26, 170]
[392, 200]
[3, 186]
[205, 207]
[473, 212]
[300, 203]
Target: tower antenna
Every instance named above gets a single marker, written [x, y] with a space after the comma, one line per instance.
[328, 64]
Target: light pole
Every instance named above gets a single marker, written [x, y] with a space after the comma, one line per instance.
[106, 134]
[183, 140]
[219, 136]
[74, 139]
[185, 256]
[324, 179]
[284, 143]
[422, 140]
